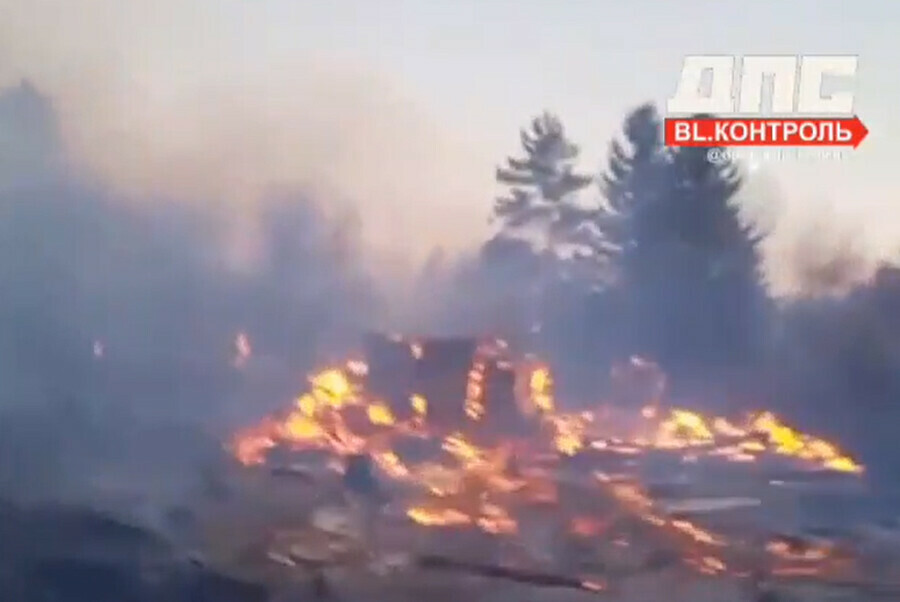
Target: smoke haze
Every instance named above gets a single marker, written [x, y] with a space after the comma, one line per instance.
[163, 100]
[168, 180]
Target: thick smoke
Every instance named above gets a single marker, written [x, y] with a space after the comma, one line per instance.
[825, 256]
[208, 102]
[121, 317]
[835, 367]
[169, 180]
[166, 184]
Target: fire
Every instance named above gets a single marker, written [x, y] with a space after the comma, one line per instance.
[697, 534]
[250, 445]
[474, 480]
[789, 442]
[438, 517]
[784, 551]
[760, 433]
[467, 505]
[419, 405]
[474, 404]
[683, 429]
[695, 539]
[380, 414]
[467, 454]
[725, 428]
[594, 586]
[307, 405]
[540, 385]
[568, 433]
[332, 388]
[495, 519]
[709, 565]
[298, 427]
[316, 420]
[392, 465]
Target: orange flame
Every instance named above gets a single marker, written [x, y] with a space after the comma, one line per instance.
[476, 486]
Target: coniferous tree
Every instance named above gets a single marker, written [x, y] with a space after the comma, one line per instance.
[633, 188]
[716, 253]
[687, 263]
[538, 210]
[540, 184]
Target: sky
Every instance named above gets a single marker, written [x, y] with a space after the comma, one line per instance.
[402, 108]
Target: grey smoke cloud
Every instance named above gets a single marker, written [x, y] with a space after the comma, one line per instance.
[147, 283]
[184, 100]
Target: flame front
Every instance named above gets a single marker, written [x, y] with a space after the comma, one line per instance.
[482, 485]
[540, 384]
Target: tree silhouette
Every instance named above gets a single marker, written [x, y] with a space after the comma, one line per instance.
[540, 184]
[715, 253]
[629, 220]
[687, 262]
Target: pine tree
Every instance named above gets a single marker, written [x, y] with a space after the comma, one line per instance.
[540, 184]
[686, 261]
[627, 223]
[716, 253]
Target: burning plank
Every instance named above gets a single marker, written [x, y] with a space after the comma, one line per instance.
[465, 440]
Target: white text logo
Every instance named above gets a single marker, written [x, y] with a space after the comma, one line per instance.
[714, 84]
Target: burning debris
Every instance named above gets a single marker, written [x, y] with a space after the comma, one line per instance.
[339, 396]
[506, 463]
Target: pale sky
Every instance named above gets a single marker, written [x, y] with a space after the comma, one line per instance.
[486, 66]
[466, 74]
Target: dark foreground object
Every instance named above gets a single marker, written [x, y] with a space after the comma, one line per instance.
[499, 572]
[64, 554]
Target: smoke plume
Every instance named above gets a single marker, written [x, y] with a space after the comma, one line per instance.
[122, 316]
[168, 100]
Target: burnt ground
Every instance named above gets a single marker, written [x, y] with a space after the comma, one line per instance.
[251, 540]
[239, 531]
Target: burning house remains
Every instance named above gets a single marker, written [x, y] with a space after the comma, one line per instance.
[475, 455]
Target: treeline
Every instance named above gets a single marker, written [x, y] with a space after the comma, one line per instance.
[652, 256]
[119, 318]
[649, 257]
